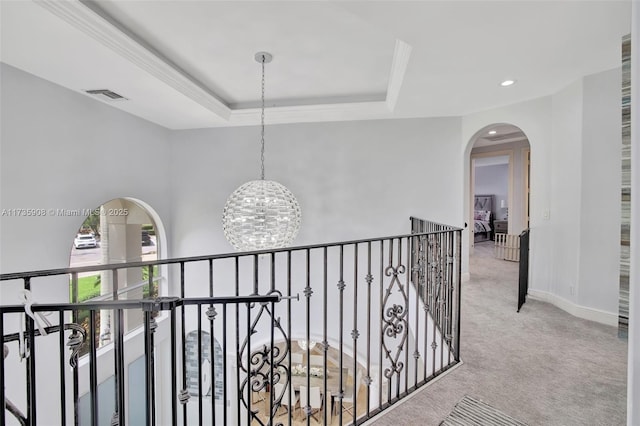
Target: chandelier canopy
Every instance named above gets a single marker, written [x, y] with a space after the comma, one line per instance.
[261, 214]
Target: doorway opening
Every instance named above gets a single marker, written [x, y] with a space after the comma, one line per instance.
[499, 193]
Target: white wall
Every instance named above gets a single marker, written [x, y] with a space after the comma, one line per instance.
[600, 203]
[565, 207]
[62, 150]
[352, 179]
[575, 156]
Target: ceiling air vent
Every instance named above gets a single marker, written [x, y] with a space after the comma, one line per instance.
[106, 95]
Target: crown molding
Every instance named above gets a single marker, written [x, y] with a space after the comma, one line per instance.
[107, 32]
[401, 55]
[312, 113]
[89, 19]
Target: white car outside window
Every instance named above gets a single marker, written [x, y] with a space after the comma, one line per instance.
[85, 241]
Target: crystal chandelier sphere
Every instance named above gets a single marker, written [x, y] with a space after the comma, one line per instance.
[261, 215]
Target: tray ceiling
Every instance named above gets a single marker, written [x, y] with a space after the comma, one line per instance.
[189, 64]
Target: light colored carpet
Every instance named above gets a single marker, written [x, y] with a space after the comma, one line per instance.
[542, 365]
[473, 412]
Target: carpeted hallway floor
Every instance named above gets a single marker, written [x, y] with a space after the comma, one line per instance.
[541, 366]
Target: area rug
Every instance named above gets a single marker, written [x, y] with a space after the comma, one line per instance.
[472, 412]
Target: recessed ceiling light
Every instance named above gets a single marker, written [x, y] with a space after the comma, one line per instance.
[492, 132]
[507, 83]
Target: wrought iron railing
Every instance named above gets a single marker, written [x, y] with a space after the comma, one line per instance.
[436, 267]
[377, 318]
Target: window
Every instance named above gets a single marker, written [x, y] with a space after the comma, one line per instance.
[119, 231]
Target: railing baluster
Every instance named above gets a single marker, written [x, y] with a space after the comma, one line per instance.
[307, 293]
[433, 266]
[272, 338]
[63, 382]
[212, 349]
[381, 317]
[416, 287]
[445, 296]
[199, 309]
[2, 378]
[249, 386]
[238, 398]
[325, 342]
[148, 355]
[119, 353]
[93, 368]
[289, 283]
[152, 359]
[450, 264]
[424, 270]
[271, 360]
[74, 319]
[354, 332]
[369, 280]
[184, 395]
[443, 292]
[31, 364]
[225, 413]
[459, 295]
[174, 364]
[408, 307]
[341, 286]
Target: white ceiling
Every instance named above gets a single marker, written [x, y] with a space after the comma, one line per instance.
[501, 134]
[190, 64]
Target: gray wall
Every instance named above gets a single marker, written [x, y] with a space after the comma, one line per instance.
[493, 180]
[352, 179]
[63, 150]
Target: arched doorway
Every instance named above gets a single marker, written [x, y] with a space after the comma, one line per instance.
[498, 195]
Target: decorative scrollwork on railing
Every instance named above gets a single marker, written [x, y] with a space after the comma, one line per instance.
[436, 275]
[75, 342]
[264, 366]
[419, 268]
[394, 320]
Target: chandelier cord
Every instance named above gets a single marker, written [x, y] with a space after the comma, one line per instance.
[261, 214]
[262, 125]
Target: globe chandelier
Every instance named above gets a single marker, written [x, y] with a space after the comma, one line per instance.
[261, 214]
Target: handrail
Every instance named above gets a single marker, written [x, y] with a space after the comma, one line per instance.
[124, 290]
[117, 266]
[373, 305]
[443, 225]
[160, 303]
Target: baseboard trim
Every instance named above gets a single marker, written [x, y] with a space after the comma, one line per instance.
[579, 311]
[398, 404]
